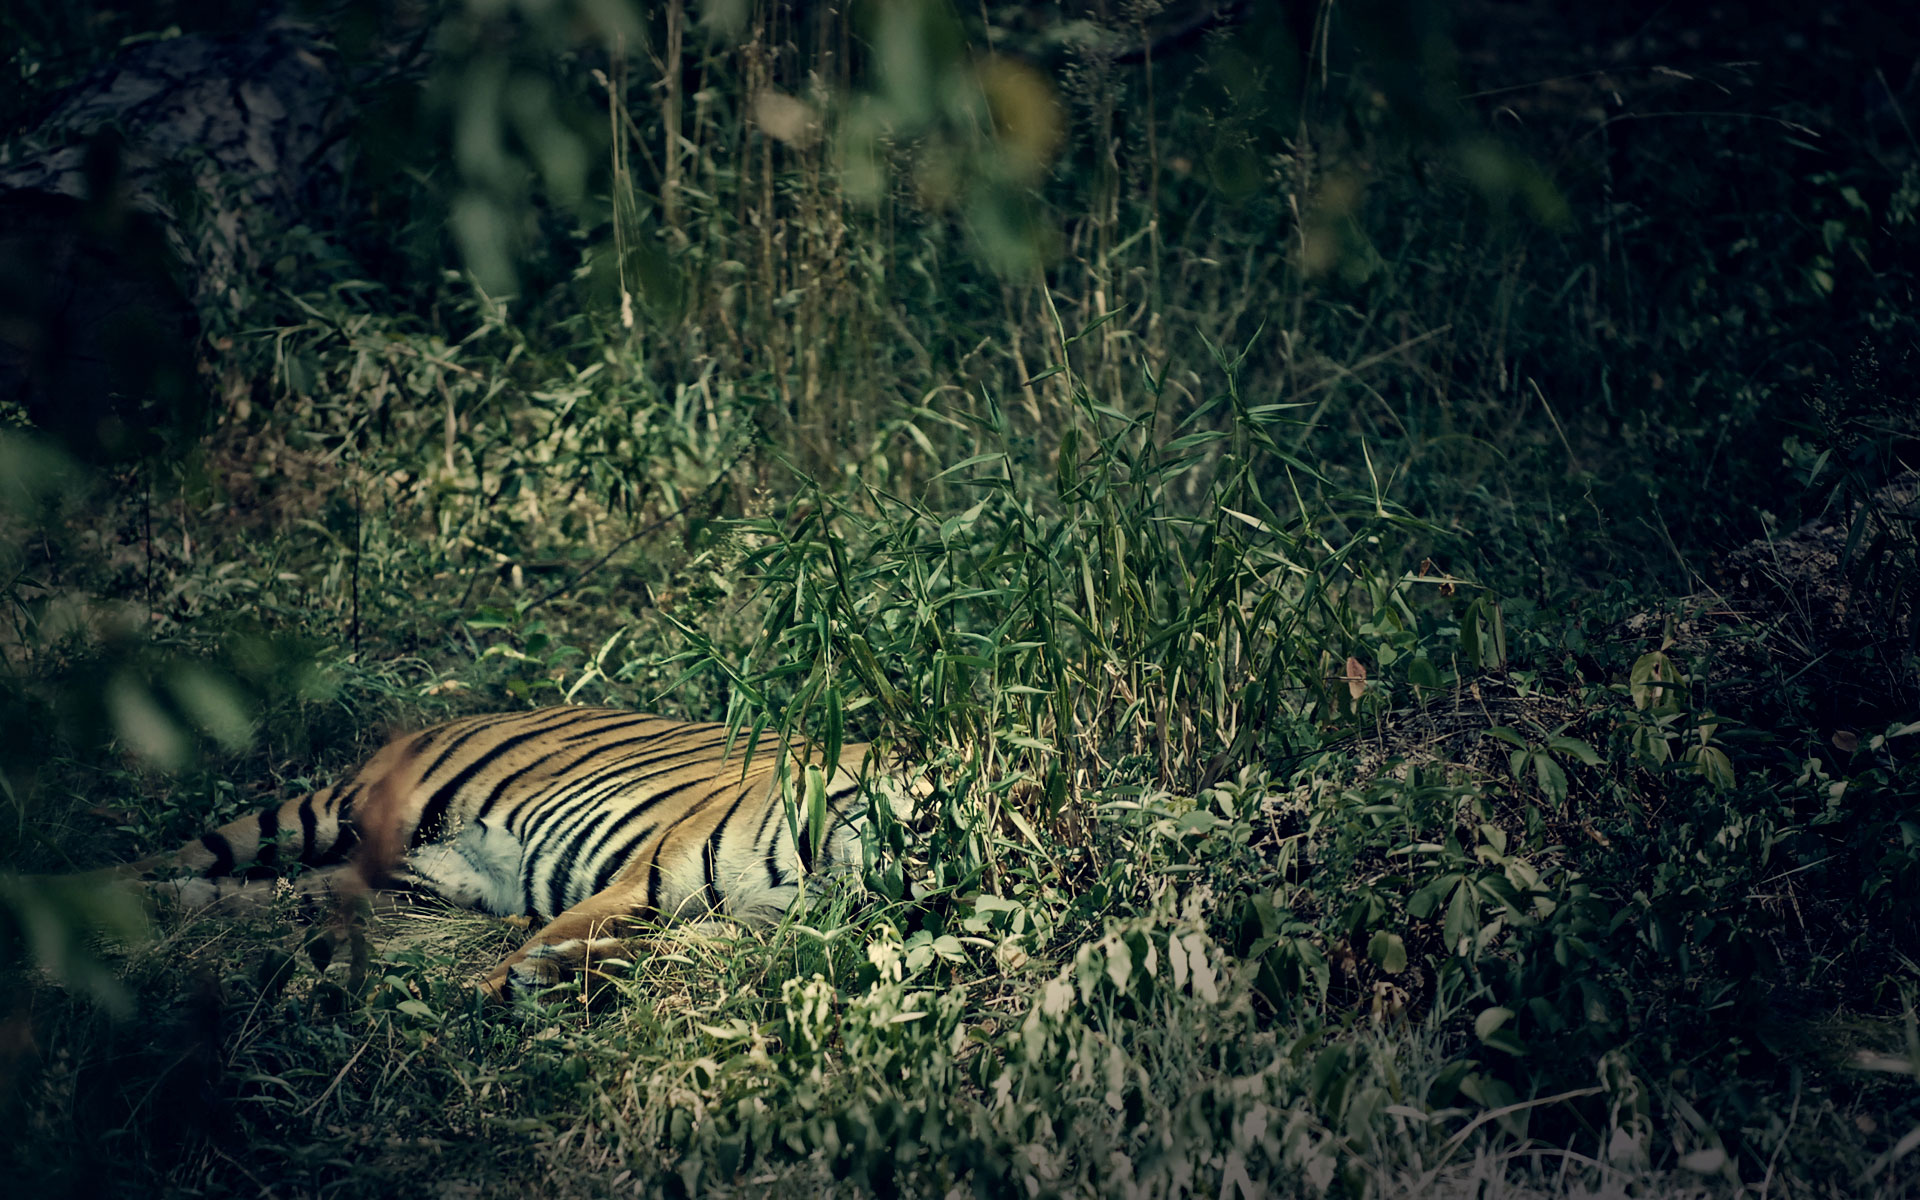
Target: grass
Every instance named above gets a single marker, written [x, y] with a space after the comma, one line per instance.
[1347, 781]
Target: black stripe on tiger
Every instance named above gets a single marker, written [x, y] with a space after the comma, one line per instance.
[309, 829]
[267, 848]
[710, 853]
[510, 782]
[433, 814]
[707, 851]
[222, 851]
[613, 863]
[582, 808]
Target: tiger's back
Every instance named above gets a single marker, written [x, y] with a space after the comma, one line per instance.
[594, 819]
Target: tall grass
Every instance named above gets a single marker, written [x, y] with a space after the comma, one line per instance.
[1073, 429]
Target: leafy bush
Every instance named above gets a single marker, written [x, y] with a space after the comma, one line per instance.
[1271, 554]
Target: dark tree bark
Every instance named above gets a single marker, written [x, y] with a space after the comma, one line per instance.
[142, 198]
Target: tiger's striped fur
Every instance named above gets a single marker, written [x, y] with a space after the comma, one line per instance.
[593, 819]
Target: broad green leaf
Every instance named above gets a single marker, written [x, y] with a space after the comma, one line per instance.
[1553, 780]
[1580, 750]
[1389, 951]
[1490, 1020]
[1714, 765]
[213, 703]
[816, 808]
[1428, 898]
[143, 726]
[1651, 680]
[1463, 919]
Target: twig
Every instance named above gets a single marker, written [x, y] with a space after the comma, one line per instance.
[597, 563]
[341, 1074]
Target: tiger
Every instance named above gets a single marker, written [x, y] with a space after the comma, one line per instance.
[597, 821]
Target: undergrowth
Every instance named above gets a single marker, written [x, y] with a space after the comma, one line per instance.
[1360, 764]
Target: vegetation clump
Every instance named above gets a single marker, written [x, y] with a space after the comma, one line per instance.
[1395, 543]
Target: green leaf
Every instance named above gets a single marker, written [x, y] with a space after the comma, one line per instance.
[836, 729]
[1495, 837]
[213, 703]
[1488, 1093]
[1506, 1041]
[1254, 521]
[1499, 887]
[1119, 963]
[1580, 750]
[1553, 780]
[143, 726]
[1505, 734]
[1094, 324]
[60, 921]
[1652, 746]
[1490, 1021]
[1428, 898]
[1463, 919]
[1714, 766]
[976, 460]
[816, 808]
[1388, 951]
[1651, 680]
[1201, 438]
[1065, 461]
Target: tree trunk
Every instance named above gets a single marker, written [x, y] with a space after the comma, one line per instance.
[142, 199]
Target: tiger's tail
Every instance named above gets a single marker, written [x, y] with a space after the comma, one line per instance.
[317, 829]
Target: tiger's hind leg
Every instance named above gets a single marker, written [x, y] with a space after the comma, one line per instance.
[591, 963]
[600, 929]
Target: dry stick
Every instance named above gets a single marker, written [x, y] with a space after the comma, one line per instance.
[602, 561]
[146, 517]
[1535, 385]
[342, 1074]
[670, 116]
[1153, 178]
[622, 181]
[353, 623]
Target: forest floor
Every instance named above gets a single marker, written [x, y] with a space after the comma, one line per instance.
[1398, 553]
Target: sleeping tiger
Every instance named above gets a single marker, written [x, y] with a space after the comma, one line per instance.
[594, 819]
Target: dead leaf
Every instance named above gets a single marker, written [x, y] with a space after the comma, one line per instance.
[786, 118]
[1427, 568]
[1356, 677]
